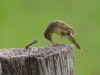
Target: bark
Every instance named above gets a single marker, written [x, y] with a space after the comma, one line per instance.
[49, 60]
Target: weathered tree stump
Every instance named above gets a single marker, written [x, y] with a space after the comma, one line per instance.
[49, 60]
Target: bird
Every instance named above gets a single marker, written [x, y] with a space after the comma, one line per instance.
[63, 30]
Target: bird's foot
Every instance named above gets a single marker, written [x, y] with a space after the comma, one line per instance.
[56, 44]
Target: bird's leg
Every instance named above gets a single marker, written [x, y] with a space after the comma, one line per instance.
[56, 43]
[52, 42]
[59, 40]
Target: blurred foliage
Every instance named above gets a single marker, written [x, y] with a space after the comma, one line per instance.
[22, 21]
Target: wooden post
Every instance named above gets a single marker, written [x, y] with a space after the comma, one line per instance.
[49, 60]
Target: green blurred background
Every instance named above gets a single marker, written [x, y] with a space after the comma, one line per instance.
[22, 21]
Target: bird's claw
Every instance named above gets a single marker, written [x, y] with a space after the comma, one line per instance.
[55, 44]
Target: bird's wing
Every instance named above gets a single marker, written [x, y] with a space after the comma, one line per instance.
[66, 27]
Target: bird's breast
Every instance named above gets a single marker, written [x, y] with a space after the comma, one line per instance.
[58, 31]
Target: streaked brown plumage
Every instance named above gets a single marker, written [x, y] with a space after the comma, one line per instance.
[62, 29]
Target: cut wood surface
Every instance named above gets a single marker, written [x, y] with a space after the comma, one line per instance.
[49, 60]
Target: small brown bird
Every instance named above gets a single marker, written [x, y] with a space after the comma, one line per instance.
[62, 29]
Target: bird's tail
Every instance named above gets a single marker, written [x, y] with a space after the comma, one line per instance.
[71, 38]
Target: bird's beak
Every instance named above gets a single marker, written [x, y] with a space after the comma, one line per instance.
[71, 38]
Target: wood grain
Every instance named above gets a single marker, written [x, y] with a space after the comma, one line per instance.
[49, 60]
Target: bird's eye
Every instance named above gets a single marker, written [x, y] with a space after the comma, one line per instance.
[63, 33]
[68, 33]
[73, 41]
